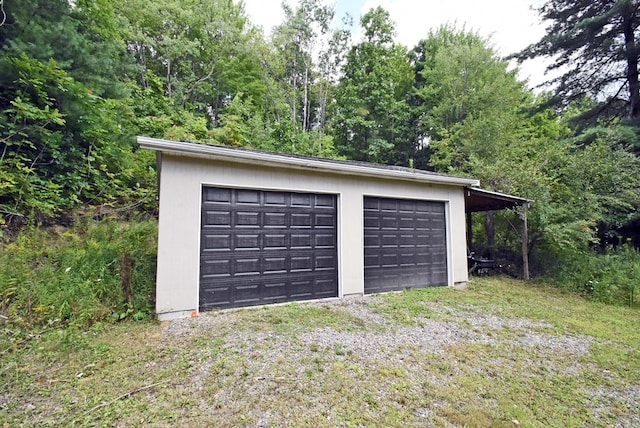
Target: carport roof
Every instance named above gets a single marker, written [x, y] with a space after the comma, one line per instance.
[484, 200]
[347, 167]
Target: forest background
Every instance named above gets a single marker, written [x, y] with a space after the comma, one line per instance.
[80, 79]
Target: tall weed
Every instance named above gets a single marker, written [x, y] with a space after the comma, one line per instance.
[71, 276]
[612, 276]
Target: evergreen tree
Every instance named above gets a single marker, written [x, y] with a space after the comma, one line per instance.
[595, 47]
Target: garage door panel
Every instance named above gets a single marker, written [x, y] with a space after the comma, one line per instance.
[274, 241]
[260, 247]
[325, 220]
[275, 289]
[301, 220]
[389, 241]
[216, 268]
[389, 223]
[407, 223]
[220, 295]
[217, 195]
[217, 219]
[246, 219]
[275, 199]
[250, 266]
[325, 201]
[324, 263]
[407, 241]
[273, 265]
[299, 241]
[247, 197]
[390, 260]
[371, 241]
[216, 242]
[275, 219]
[372, 222]
[300, 200]
[301, 264]
[405, 244]
[246, 241]
[325, 241]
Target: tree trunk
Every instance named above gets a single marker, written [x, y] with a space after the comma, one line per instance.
[305, 107]
[525, 245]
[169, 78]
[294, 95]
[632, 62]
[490, 230]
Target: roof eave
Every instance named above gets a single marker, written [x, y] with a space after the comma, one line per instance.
[222, 153]
[477, 200]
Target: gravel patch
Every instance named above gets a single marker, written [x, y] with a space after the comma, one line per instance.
[428, 335]
[606, 398]
[431, 336]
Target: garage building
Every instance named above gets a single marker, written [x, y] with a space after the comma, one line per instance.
[243, 227]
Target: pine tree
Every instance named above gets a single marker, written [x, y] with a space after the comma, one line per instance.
[595, 46]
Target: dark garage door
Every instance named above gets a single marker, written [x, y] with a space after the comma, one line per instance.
[405, 244]
[260, 247]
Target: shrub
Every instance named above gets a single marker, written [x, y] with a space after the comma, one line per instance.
[611, 276]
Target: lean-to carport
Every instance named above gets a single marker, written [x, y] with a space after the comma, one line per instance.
[479, 200]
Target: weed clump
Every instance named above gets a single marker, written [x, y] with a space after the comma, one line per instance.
[612, 276]
[72, 276]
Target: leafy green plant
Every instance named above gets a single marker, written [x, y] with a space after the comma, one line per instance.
[72, 276]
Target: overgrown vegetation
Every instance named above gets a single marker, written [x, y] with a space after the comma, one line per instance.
[610, 276]
[55, 277]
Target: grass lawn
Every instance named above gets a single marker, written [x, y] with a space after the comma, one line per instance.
[499, 353]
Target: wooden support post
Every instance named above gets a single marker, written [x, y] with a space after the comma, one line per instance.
[469, 230]
[126, 267]
[525, 245]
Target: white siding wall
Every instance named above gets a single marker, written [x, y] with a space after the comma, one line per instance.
[182, 179]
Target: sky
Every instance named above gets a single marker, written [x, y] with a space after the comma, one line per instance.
[511, 25]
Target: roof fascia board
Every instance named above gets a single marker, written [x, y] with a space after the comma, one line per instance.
[269, 159]
[502, 196]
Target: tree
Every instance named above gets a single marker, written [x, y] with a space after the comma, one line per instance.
[82, 38]
[466, 104]
[596, 49]
[64, 139]
[370, 115]
[296, 41]
[199, 48]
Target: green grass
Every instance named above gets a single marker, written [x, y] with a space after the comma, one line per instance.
[296, 317]
[138, 374]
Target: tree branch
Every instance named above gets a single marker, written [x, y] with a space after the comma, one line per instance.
[121, 397]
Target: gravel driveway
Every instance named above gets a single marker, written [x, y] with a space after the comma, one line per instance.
[410, 373]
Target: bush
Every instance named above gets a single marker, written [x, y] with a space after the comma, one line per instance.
[72, 276]
[609, 277]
